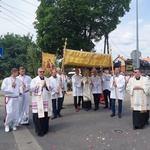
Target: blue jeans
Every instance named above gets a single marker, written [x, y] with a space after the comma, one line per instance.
[119, 106]
[57, 106]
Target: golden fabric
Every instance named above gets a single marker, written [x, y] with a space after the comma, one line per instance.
[86, 59]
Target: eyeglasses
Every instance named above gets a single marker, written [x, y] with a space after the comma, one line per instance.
[135, 72]
[41, 71]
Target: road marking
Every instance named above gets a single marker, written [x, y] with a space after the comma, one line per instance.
[25, 140]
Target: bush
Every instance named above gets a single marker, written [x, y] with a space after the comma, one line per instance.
[1, 82]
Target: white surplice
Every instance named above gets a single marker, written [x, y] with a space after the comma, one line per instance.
[97, 86]
[11, 100]
[63, 81]
[55, 86]
[106, 80]
[140, 99]
[118, 91]
[87, 89]
[76, 85]
[24, 99]
[41, 101]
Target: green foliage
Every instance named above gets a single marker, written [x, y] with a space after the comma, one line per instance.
[15, 53]
[1, 82]
[80, 21]
[33, 59]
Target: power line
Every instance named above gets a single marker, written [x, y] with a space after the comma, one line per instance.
[119, 49]
[17, 9]
[30, 3]
[15, 15]
[17, 21]
[13, 23]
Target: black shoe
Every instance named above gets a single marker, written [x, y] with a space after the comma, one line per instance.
[60, 115]
[105, 107]
[87, 109]
[95, 109]
[62, 108]
[27, 124]
[134, 128]
[40, 134]
[53, 118]
[112, 115]
[120, 116]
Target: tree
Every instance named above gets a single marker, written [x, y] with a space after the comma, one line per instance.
[80, 21]
[15, 52]
[33, 59]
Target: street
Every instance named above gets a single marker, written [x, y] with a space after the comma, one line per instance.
[83, 130]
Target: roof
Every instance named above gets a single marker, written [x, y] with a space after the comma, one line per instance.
[147, 59]
[121, 57]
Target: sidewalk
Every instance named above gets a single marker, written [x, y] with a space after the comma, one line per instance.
[68, 98]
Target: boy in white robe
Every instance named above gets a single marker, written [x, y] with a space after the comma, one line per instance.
[56, 94]
[41, 103]
[24, 97]
[77, 89]
[12, 88]
[106, 89]
[96, 88]
[63, 77]
[117, 87]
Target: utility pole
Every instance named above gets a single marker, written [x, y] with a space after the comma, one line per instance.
[137, 36]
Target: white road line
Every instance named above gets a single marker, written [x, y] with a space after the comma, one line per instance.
[25, 140]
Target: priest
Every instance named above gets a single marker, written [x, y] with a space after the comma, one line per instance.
[139, 89]
[41, 102]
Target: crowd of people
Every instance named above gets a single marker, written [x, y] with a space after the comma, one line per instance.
[48, 95]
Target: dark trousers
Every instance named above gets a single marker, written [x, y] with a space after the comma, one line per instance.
[119, 106]
[76, 104]
[140, 119]
[57, 106]
[96, 100]
[41, 124]
[106, 97]
[63, 92]
[87, 105]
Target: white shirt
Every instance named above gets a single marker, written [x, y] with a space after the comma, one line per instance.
[119, 91]
[106, 80]
[55, 86]
[97, 87]
[9, 90]
[76, 85]
[26, 80]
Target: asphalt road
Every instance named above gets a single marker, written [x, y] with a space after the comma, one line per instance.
[83, 130]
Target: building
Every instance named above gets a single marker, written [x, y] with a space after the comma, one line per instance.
[121, 61]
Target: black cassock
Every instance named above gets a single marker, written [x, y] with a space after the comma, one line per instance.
[41, 124]
[140, 119]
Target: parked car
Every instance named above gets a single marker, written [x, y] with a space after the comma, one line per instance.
[69, 80]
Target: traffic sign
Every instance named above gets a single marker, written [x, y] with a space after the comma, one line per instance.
[134, 54]
[1, 53]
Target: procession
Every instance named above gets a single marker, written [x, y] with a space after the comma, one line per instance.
[48, 95]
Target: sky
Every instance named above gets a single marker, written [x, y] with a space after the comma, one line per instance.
[17, 16]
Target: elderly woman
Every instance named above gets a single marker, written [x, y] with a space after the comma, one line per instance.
[87, 94]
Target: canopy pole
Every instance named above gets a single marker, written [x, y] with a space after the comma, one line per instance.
[112, 65]
[64, 51]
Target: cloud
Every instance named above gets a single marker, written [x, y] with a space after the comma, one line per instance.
[133, 22]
